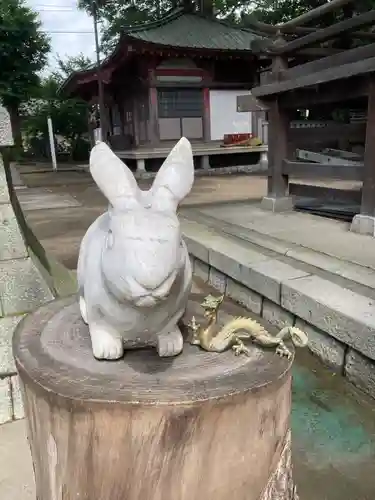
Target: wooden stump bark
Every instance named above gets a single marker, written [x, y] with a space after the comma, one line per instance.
[200, 426]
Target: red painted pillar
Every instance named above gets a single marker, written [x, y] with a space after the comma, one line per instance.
[154, 119]
[206, 115]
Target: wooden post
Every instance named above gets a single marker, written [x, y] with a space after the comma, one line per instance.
[364, 223]
[153, 131]
[277, 198]
[199, 426]
[206, 115]
[135, 119]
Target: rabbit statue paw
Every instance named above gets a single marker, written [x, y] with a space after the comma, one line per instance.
[134, 272]
[170, 344]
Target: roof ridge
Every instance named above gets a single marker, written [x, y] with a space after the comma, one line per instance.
[224, 22]
[171, 15]
[181, 11]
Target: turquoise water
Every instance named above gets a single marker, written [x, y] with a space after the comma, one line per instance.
[333, 435]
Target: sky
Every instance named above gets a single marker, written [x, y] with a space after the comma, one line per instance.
[74, 28]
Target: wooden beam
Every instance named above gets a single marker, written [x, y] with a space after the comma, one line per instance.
[319, 52]
[344, 57]
[303, 30]
[307, 170]
[361, 35]
[325, 94]
[368, 190]
[247, 102]
[345, 71]
[350, 196]
[321, 35]
[314, 13]
[311, 138]
[264, 47]
[298, 21]
[328, 58]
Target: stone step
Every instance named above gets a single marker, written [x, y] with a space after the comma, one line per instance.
[355, 277]
[340, 322]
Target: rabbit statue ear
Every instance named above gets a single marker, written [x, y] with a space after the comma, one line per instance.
[176, 175]
[113, 177]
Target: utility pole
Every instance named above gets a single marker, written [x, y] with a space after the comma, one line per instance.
[102, 112]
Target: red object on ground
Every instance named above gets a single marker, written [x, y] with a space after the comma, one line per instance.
[234, 138]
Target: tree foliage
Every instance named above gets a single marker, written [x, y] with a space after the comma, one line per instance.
[117, 15]
[69, 116]
[65, 67]
[23, 53]
[280, 11]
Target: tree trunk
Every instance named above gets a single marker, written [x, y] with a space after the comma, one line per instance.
[199, 426]
[15, 121]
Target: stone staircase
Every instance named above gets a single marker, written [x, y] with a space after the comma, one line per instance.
[331, 299]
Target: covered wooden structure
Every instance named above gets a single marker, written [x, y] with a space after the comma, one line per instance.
[344, 75]
[171, 78]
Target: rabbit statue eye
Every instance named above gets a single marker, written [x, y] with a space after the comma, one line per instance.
[110, 239]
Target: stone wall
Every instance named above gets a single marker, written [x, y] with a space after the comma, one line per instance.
[340, 324]
[25, 283]
[6, 135]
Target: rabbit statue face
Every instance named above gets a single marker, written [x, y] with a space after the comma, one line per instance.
[143, 250]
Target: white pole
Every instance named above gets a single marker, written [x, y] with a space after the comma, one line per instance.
[52, 143]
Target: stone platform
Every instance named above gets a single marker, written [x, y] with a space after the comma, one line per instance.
[294, 268]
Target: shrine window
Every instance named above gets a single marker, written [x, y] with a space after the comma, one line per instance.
[180, 103]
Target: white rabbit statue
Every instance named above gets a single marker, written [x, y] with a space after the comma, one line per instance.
[134, 271]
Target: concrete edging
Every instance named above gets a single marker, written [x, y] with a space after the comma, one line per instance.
[340, 323]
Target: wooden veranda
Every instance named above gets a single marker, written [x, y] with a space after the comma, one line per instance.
[346, 72]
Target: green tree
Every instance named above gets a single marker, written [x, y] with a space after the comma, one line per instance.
[65, 67]
[119, 14]
[69, 116]
[280, 11]
[23, 53]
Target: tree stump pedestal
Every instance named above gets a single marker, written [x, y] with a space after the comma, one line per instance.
[200, 426]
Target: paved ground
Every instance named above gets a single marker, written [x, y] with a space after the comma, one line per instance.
[73, 200]
[333, 426]
[323, 235]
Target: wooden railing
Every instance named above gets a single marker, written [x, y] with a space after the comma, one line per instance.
[327, 171]
[321, 35]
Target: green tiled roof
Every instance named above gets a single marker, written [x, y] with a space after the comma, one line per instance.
[181, 29]
[194, 31]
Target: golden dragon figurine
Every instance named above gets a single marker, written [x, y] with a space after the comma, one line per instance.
[237, 330]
